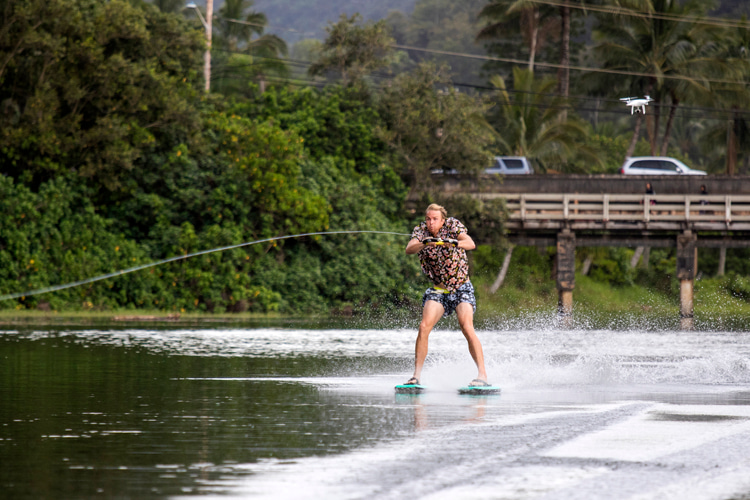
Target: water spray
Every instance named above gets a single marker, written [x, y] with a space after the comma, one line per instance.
[180, 257]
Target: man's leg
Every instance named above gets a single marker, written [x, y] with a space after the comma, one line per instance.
[431, 314]
[465, 313]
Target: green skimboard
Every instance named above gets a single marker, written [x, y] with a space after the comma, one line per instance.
[468, 390]
[410, 389]
[479, 390]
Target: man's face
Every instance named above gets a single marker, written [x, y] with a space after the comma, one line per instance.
[434, 220]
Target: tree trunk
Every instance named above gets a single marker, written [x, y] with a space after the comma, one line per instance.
[668, 129]
[503, 271]
[587, 265]
[636, 257]
[534, 38]
[722, 261]
[636, 135]
[209, 37]
[563, 74]
[652, 128]
[732, 143]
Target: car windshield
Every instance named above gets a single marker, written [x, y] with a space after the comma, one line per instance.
[513, 164]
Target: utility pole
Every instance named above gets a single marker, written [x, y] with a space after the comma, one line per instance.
[207, 25]
[207, 56]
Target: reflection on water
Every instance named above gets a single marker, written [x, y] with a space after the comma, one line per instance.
[159, 413]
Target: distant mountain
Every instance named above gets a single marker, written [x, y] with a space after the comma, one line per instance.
[308, 18]
[295, 20]
[732, 9]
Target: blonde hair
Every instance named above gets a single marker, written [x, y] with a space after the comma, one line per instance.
[434, 207]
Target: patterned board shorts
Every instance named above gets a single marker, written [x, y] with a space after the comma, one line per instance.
[450, 301]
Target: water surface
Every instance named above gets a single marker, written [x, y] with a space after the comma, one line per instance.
[310, 413]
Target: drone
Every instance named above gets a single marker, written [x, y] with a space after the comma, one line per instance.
[637, 104]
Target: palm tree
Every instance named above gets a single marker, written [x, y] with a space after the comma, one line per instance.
[528, 123]
[535, 22]
[565, 13]
[677, 57]
[733, 136]
[249, 58]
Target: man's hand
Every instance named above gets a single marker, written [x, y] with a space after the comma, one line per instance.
[438, 241]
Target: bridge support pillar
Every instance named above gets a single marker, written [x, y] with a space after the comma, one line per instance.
[687, 260]
[566, 275]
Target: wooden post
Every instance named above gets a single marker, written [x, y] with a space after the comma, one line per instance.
[566, 275]
[686, 304]
[687, 258]
[722, 261]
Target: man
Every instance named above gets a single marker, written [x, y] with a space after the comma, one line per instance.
[441, 243]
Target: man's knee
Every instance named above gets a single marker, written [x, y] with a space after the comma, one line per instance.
[425, 328]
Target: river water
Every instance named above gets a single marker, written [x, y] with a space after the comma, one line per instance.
[295, 412]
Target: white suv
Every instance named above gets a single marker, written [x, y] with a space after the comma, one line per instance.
[510, 165]
[656, 165]
[505, 165]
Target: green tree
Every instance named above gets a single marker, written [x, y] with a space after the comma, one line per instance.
[528, 123]
[55, 236]
[338, 122]
[536, 23]
[430, 125]
[355, 271]
[345, 163]
[242, 59]
[88, 86]
[238, 182]
[352, 50]
[173, 6]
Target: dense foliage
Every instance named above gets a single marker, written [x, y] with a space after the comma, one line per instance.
[113, 156]
[123, 162]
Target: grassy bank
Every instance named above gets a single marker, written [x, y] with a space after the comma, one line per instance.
[528, 303]
[601, 305]
[130, 317]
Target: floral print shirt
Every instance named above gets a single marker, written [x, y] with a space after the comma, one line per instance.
[444, 264]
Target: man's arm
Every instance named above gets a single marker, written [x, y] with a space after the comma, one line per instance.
[465, 242]
[414, 246]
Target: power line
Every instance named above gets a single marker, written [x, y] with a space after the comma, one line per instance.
[713, 21]
[698, 112]
[541, 64]
[559, 66]
[266, 26]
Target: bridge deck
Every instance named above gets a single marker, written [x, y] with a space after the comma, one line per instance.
[722, 220]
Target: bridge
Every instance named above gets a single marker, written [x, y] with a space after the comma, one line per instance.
[614, 210]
